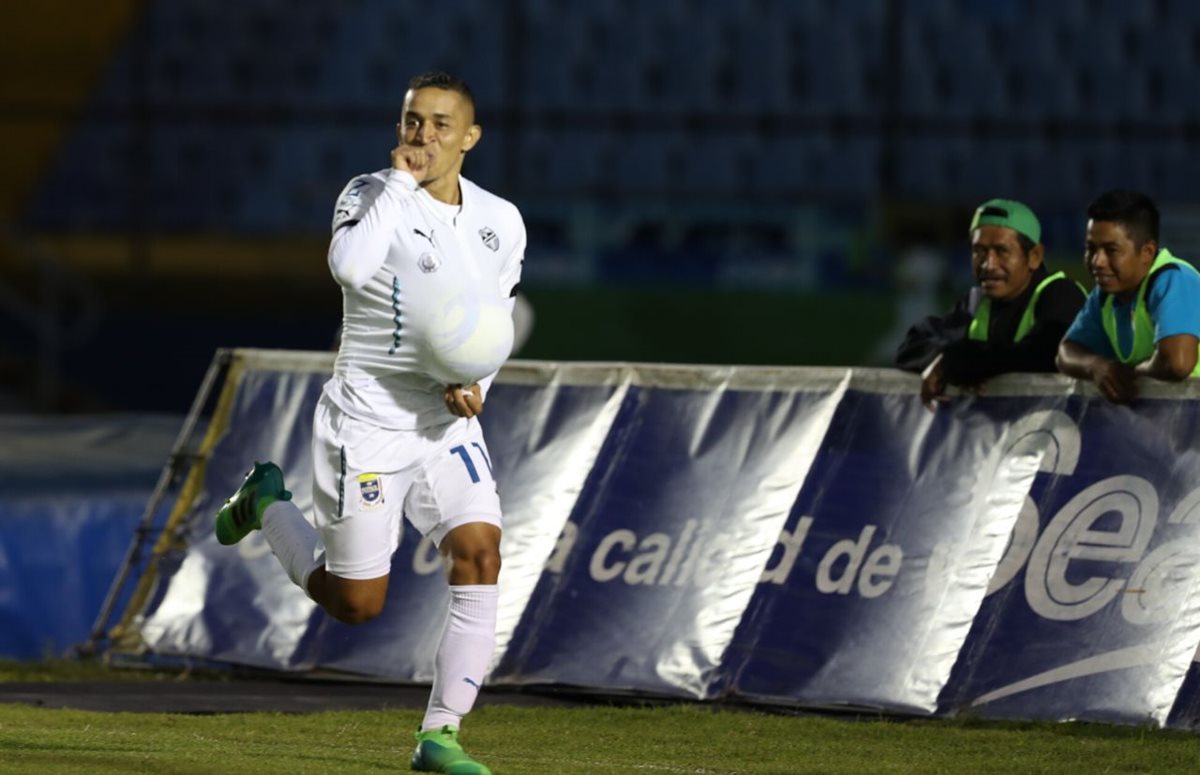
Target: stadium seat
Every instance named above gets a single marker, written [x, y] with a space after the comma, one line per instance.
[1179, 11]
[839, 60]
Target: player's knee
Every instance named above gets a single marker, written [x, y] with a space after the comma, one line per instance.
[357, 607]
[355, 612]
[479, 565]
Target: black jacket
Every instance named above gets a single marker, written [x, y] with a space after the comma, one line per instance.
[968, 362]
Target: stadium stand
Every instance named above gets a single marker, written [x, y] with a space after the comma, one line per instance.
[245, 120]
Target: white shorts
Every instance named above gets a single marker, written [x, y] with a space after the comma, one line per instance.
[366, 479]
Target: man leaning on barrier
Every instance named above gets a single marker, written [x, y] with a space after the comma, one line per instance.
[1012, 321]
[1143, 316]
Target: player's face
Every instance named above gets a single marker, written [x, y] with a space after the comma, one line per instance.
[443, 123]
[1002, 268]
[1116, 263]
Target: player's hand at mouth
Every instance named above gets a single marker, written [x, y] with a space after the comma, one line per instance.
[413, 160]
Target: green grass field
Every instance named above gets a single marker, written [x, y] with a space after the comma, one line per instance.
[597, 739]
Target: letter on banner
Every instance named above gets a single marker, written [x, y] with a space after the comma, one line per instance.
[626, 539]
[562, 549]
[1070, 537]
[644, 568]
[883, 562]
[791, 543]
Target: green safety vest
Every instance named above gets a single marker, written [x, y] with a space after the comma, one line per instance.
[983, 314]
[1143, 326]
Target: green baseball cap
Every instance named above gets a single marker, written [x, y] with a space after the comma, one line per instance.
[1010, 213]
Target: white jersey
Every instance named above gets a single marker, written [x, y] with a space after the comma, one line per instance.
[427, 295]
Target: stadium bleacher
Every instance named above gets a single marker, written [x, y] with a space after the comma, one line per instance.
[598, 98]
[819, 120]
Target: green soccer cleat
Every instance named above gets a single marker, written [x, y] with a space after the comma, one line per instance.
[243, 511]
[438, 750]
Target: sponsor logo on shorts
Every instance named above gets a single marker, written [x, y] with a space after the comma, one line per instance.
[370, 491]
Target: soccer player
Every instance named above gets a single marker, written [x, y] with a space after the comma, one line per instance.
[1143, 316]
[428, 264]
[1012, 321]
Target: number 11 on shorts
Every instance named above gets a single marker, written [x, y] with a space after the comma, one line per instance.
[462, 452]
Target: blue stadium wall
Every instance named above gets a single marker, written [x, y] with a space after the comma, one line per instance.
[73, 490]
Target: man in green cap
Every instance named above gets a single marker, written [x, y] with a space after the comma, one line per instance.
[1013, 320]
[1143, 317]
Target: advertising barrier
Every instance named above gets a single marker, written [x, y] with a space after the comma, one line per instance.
[809, 537]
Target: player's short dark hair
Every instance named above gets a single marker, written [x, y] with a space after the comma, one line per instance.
[440, 80]
[1133, 210]
[1025, 243]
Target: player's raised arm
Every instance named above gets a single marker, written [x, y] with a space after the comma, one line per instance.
[364, 210]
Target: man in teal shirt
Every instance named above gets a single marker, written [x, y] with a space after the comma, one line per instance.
[1143, 316]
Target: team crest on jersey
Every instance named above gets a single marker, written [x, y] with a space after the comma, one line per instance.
[370, 491]
[429, 262]
[490, 239]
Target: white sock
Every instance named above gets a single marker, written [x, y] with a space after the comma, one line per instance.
[292, 539]
[463, 655]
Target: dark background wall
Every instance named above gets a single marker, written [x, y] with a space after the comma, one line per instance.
[760, 181]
